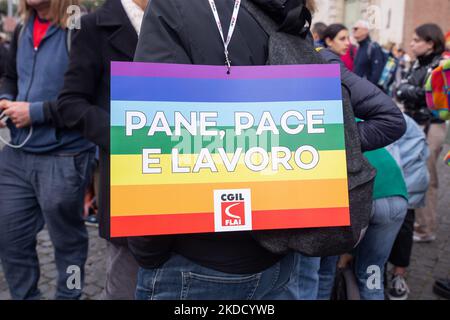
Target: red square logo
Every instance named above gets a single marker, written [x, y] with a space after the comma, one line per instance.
[233, 214]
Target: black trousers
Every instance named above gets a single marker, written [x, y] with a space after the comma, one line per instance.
[401, 251]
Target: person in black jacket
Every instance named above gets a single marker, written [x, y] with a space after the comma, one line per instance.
[83, 105]
[177, 31]
[428, 45]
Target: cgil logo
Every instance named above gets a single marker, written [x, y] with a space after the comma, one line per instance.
[232, 210]
[235, 217]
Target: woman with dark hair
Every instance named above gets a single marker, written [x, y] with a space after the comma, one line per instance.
[427, 45]
[337, 39]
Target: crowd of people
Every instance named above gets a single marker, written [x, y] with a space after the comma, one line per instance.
[55, 170]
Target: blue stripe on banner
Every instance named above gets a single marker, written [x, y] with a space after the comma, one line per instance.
[332, 110]
[213, 90]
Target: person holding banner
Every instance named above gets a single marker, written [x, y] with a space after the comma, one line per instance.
[227, 266]
[108, 34]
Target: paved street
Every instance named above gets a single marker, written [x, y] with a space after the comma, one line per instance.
[429, 260]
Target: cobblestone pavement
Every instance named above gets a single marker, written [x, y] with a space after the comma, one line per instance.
[95, 266]
[429, 261]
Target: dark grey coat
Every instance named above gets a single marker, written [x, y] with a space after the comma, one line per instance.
[179, 31]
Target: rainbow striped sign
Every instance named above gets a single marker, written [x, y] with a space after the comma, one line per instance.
[194, 150]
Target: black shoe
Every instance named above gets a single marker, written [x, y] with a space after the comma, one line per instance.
[91, 220]
[442, 288]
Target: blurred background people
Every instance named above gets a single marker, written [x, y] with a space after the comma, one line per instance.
[370, 59]
[317, 32]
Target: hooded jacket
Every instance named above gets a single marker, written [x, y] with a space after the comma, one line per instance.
[36, 76]
[178, 31]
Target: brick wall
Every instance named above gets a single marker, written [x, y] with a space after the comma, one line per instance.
[418, 12]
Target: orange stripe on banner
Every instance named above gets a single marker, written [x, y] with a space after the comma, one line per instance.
[204, 222]
[193, 198]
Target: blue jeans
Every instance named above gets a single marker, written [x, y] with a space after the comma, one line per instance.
[372, 253]
[327, 274]
[308, 276]
[38, 190]
[182, 279]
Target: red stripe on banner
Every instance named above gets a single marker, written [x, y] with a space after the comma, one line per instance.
[162, 224]
[129, 226]
[302, 218]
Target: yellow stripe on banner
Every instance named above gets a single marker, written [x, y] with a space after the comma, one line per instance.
[127, 170]
[199, 198]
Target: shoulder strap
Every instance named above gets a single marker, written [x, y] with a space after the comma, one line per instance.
[370, 50]
[19, 32]
[69, 36]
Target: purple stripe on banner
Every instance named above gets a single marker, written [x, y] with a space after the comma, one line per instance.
[163, 70]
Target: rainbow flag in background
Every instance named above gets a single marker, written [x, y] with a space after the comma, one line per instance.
[447, 159]
[283, 179]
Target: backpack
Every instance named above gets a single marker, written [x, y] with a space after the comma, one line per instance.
[388, 75]
[375, 46]
[285, 48]
[437, 91]
[390, 65]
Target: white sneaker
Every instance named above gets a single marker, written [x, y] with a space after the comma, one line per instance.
[398, 289]
[421, 238]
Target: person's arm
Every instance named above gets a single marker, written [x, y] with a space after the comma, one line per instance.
[161, 37]
[407, 92]
[383, 121]
[8, 87]
[24, 113]
[376, 64]
[75, 108]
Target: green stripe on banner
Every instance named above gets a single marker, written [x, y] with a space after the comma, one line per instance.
[332, 139]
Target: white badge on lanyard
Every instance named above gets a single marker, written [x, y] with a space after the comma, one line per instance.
[237, 5]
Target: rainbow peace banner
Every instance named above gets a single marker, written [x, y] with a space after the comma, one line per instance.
[195, 150]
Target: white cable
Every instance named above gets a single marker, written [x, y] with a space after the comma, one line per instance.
[20, 145]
